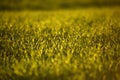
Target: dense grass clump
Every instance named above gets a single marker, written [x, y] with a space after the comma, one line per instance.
[60, 45]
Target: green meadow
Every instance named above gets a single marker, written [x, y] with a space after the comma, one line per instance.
[80, 44]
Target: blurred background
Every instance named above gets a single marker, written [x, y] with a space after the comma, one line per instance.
[54, 4]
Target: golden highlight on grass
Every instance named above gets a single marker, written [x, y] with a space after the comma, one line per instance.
[60, 45]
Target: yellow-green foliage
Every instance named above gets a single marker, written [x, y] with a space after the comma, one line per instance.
[60, 45]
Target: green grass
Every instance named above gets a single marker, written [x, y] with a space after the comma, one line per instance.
[60, 45]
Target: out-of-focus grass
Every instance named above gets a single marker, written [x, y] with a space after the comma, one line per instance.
[60, 45]
[54, 4]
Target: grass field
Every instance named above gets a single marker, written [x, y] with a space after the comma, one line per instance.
[60, 45]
